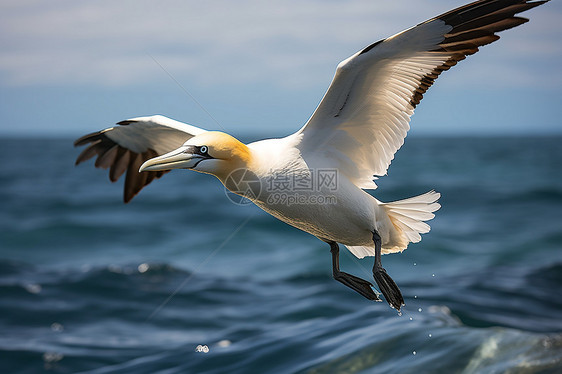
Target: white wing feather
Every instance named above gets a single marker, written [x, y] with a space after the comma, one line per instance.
[123, 148]
[364, 116]
[162, 134]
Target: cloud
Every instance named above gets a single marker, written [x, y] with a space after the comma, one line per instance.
[292, 44]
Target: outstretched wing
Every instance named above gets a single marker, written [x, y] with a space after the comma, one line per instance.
[125, 147]
[364, 116]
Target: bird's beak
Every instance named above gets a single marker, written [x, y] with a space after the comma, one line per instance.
[181, 158]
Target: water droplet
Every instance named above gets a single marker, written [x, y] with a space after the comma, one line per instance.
[415, 263]
[411, 319]
[399, 313]
[432, 275]
[142, 268]
[414, 353]
[57, 327]
[419, 310]
[224, 343]
[415, 296]
[430, 335]
[50, 357]
[201, 348]
[32, 288]
[115, 269]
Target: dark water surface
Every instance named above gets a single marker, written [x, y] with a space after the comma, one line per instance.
[183, 281]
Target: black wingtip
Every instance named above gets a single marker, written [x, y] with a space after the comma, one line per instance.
[88, 138]
[125, 122]
[367, 49]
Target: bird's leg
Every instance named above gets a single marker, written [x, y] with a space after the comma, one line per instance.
[387, 286]
[360, 285]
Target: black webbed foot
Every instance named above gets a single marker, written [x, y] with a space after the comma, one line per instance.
[388, 288]
[360, 285]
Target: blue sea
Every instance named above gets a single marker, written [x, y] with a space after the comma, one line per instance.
[182, 280]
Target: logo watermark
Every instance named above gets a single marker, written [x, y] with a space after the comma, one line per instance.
[243, 186]
[308, 187]
[288, 199]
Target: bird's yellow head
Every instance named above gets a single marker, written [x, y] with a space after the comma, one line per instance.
[211, 152]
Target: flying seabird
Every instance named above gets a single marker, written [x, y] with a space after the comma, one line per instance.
[315, 178]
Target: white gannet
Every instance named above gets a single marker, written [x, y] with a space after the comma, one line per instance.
[315, 178]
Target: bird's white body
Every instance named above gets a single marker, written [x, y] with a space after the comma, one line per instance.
[351, 138]
[347, 216]
[334, 210]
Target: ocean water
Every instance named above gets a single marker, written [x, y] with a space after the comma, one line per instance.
[181, 280]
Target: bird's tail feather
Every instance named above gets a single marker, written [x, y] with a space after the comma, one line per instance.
[408, 215]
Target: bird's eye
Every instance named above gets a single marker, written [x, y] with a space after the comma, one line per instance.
[203, 149]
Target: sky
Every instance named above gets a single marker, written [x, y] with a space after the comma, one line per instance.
[253, 67]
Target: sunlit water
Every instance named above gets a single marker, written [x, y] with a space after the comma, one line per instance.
[184, 281]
